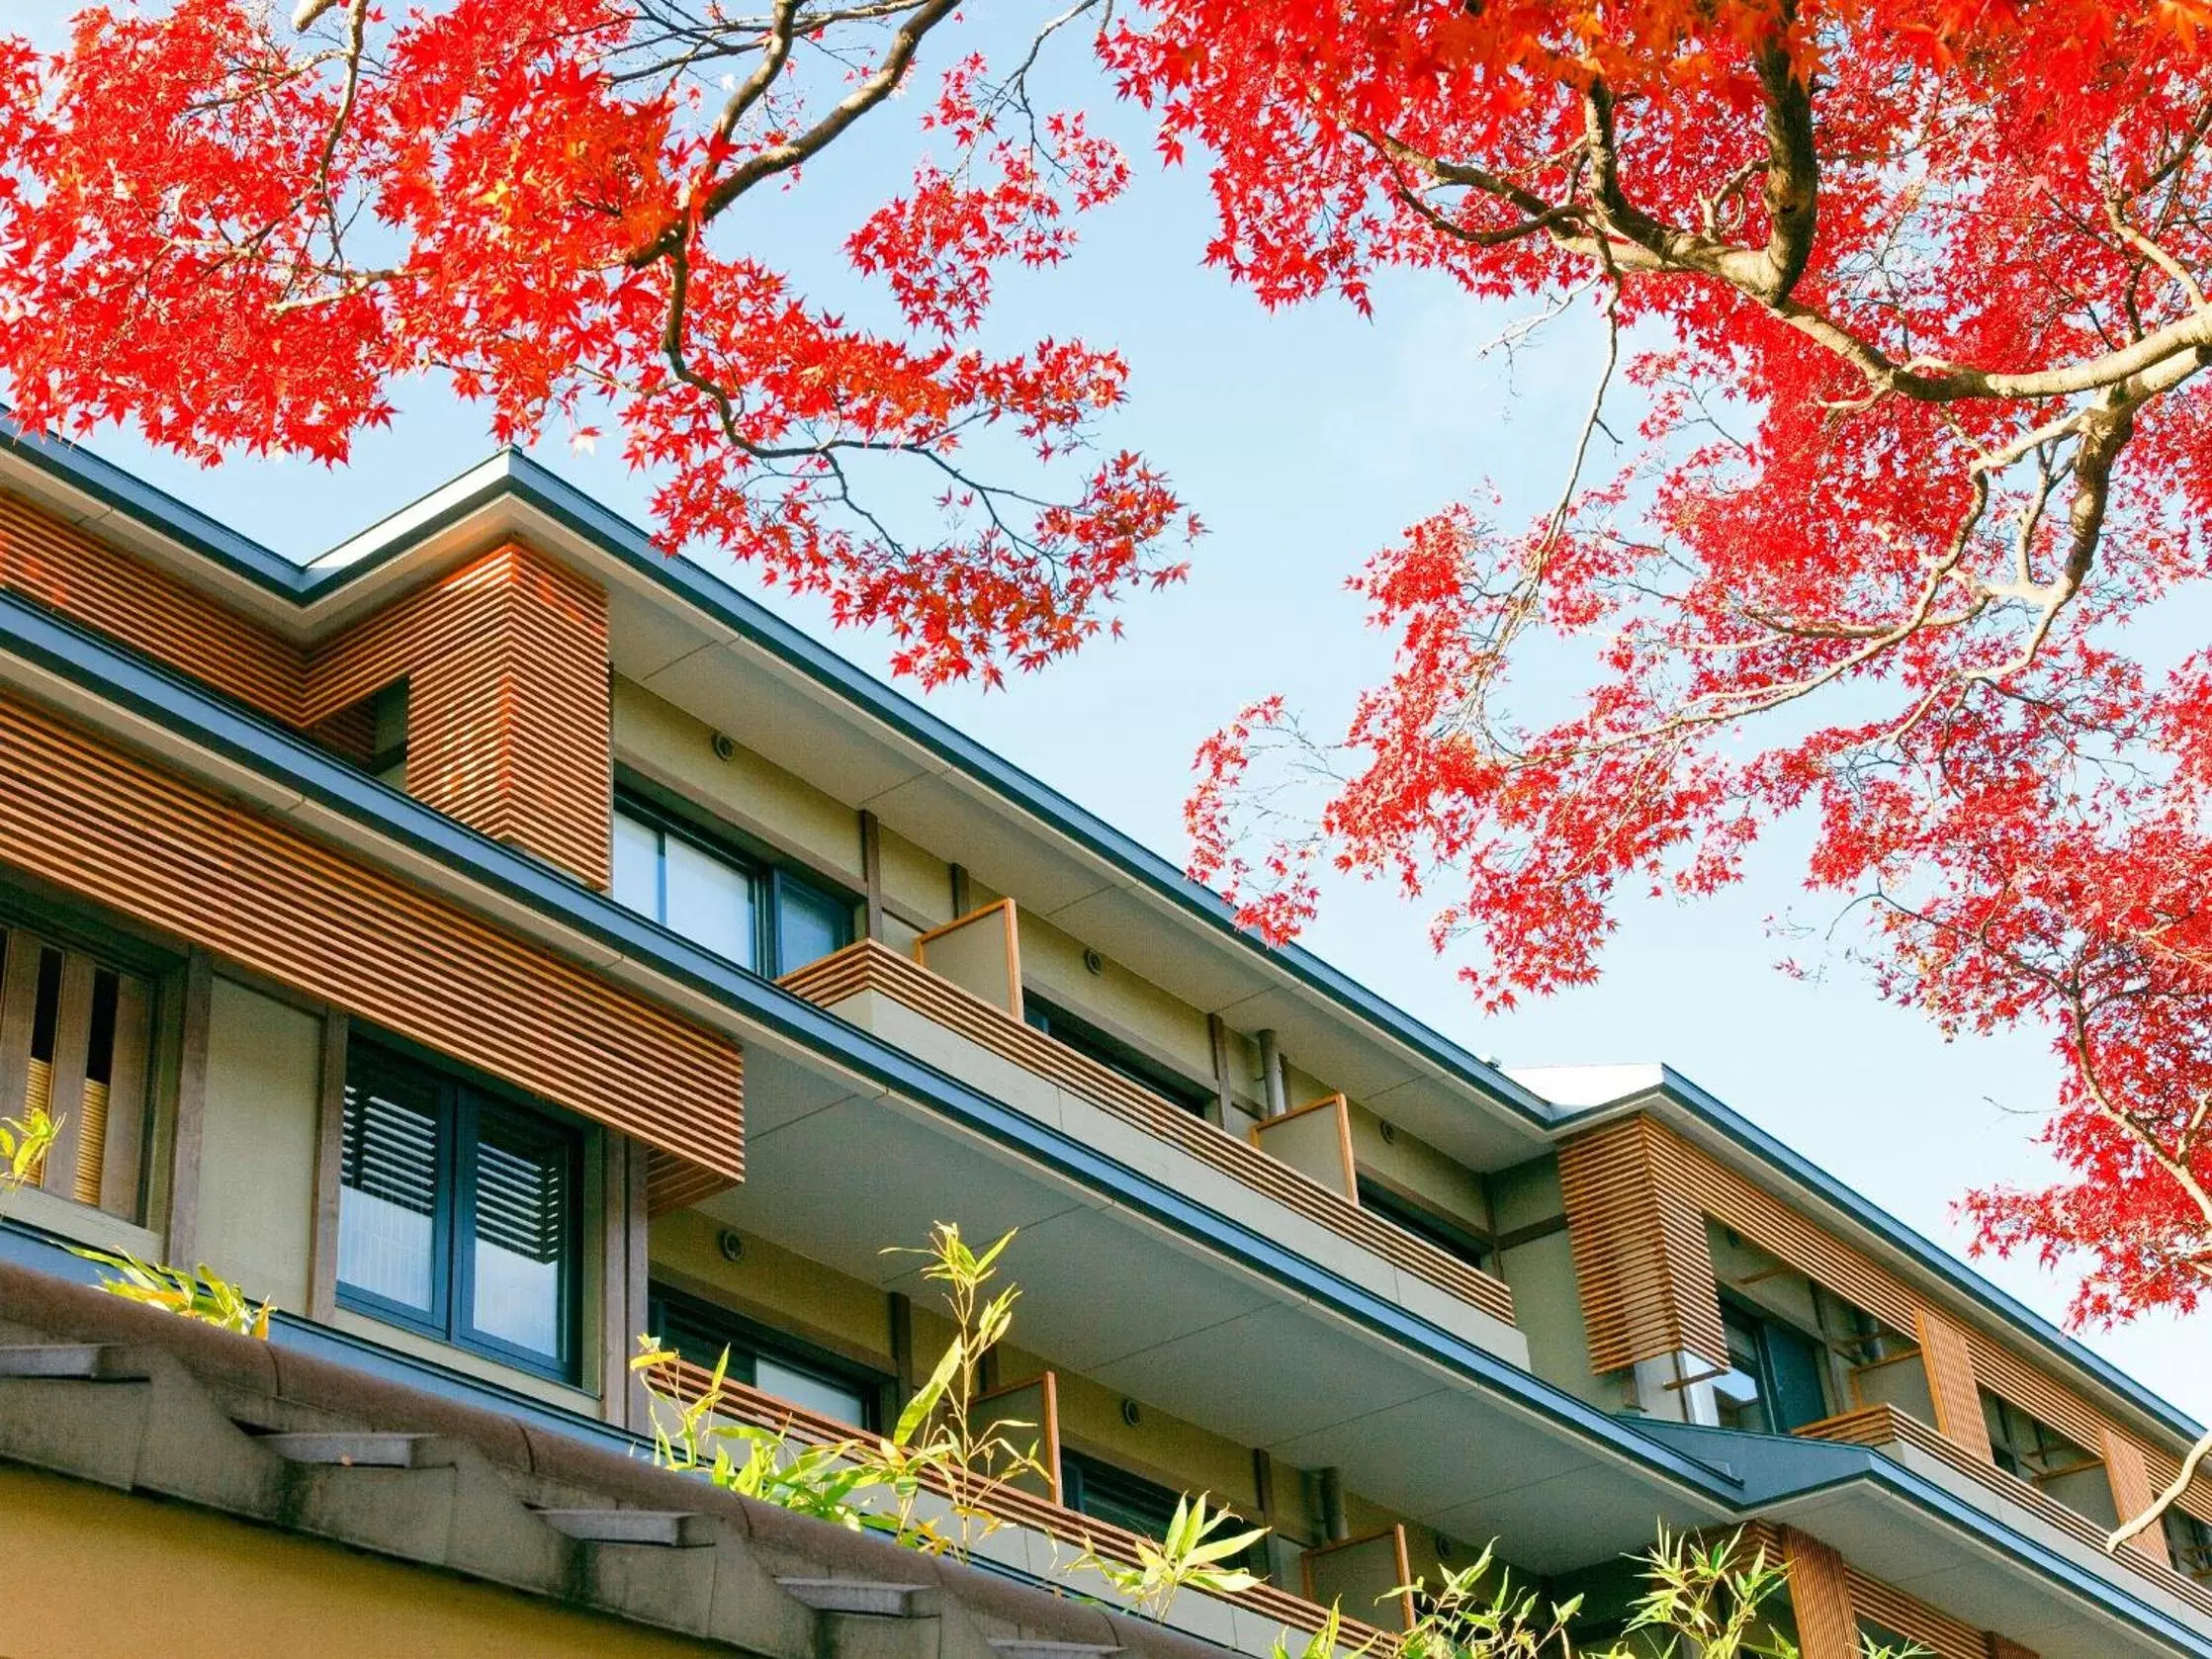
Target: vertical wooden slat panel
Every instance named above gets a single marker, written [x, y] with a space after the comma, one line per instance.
[72, 1038]
[2132, 1491]
[1819, 1598]
[1958, 1400]
[329, 1167]
[183, 1230]
[19, 1003]
[128, 1104]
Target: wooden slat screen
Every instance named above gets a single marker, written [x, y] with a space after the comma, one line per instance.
[1641, 1261]
[870, 965]
[1913, 1620]
[509, 726]
[1819, 1598]
[675, 1184]
[1949, 1357]
[74, 1042]
[110, 590]
[2132, 1491]
[178, 857]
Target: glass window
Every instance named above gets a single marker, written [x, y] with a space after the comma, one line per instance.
[458, 1212]
[1121, 1499]
[769, 922]
[2025, 1447]
[2188, 1541]
[810, 924]
[790, 1369]
[1774, 1382]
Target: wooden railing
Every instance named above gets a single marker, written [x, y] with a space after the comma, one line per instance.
[1885, 1424]
[1017, 1508]
[871, 965]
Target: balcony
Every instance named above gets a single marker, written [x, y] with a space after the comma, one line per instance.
[1040, 1533]
[869, 969]
[1907, 1440]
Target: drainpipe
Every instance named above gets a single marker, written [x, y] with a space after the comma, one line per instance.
[1275, 1098]
[1333, 1526]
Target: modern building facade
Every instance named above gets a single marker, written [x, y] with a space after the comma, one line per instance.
[494, 940]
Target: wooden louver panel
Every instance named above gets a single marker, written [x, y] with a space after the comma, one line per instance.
[1913, 1620]
[1952, 1384]
[675, 1184]
[107, 589]
[1819, 1598]
[510, 729]
[178, 857]
[1642, 1261]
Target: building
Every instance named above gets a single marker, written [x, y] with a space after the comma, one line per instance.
[494, 940]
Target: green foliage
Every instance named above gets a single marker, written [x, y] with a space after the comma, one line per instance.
[24, 1144]
[1189, 1557]
[817, 1480]
[202, 1295]
[940, 1446]
[1467, 1615]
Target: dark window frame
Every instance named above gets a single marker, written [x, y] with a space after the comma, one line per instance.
[463, 1102]
[755, 1340]
[771, 877]
[1055, 1020]
[2192, 1550]
[2007, 1453]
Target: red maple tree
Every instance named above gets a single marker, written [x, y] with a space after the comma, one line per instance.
[1919, 310]
[1915, 431]
[239, 232]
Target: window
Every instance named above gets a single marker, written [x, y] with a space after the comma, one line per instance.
[458, 1212]
[768, 1360]
[1115, 1055]
[2025, 1447]
[2188, 1541]
[741, 908]
[1422, 1223]
[1773, 1385]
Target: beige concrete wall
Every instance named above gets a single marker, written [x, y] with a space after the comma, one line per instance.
[109, 1576]
[1547, 1308]
[1116, 1001]
[259, 1143]
[774, 1285]
[1419, 1170]
[659, 740]
[916, 882]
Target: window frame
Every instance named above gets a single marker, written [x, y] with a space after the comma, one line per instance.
[769, 875]
[463, 1098]
[757, 1340]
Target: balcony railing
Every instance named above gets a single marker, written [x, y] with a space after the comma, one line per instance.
[1885, 1424]
[871, 965]
[1017, 1508]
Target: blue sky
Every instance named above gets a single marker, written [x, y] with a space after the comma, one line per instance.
[1306, 439]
